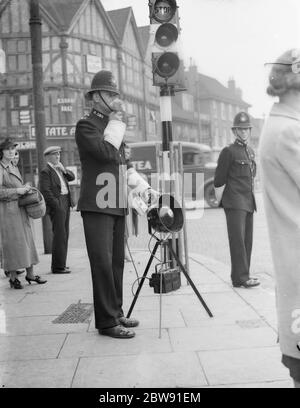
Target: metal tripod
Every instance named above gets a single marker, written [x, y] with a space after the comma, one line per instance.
[166, 244]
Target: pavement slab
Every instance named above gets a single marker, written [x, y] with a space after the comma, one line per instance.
[92, 344]
[30, 347]
[42, 373]
[221, 338]
[251, 365]
[155, 370]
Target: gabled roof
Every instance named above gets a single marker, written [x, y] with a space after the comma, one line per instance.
[145, 35]
[212, 88]
[3, 5]
[120, 19]
[61, 12]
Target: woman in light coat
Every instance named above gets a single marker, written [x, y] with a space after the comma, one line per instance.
[17, 244]
[280, 167]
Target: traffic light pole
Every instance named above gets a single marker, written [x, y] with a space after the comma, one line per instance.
[38, 97]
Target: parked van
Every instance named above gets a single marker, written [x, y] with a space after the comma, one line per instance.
[197, 158]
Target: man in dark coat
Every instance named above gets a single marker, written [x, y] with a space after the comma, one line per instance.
[103, 201]
[54, 186]
[234, 181]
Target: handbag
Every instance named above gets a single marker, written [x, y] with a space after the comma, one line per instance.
[33, 203]
[32, 197]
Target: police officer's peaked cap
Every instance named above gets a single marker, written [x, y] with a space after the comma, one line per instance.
[51, 150]
[103, 81]
[7, 143]
[241, 120]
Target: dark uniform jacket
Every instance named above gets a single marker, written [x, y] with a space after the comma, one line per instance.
[237, 168]
[51, 188]
[103, 181]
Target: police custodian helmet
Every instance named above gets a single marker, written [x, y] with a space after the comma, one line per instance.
[103, 81]
[241, 120]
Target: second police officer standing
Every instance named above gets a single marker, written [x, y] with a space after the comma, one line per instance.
[102, 202]
[234, 183]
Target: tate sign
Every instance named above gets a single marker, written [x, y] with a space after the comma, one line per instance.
[55, 131]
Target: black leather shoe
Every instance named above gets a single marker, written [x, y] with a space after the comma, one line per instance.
[250, 283]
[36, 279]
[64, 270]
[117, 332]
[127, 322]
[16, 284]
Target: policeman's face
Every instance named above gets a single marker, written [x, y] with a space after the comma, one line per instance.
[103, 105]
[243, 133]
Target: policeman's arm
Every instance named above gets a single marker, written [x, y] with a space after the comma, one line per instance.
[88, 139]
[222, 169]
[288, 152]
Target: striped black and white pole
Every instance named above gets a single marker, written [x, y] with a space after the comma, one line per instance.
[166, 94]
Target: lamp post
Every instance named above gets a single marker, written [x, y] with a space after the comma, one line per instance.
[38, 98]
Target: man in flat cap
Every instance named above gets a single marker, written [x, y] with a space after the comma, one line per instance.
[234, 177]
[54, 186]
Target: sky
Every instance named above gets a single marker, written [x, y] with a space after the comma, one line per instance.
[232, 38]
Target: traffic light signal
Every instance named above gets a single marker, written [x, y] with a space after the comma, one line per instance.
[166, 65]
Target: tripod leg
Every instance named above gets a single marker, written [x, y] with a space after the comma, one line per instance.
[190, 281]
[143, 279]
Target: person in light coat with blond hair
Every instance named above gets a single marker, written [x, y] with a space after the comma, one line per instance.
[279, 153]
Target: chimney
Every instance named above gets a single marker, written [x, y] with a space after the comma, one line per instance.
[232, 87]
[239, 93]
[231, 84]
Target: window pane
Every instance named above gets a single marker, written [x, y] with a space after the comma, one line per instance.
[22, 62]
[46, 43]
[12, 62]
[22, 46]
[15, 118]
[3, 118]
[11, 46]
[23, 100]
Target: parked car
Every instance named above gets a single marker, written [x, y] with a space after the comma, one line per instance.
[197, 158]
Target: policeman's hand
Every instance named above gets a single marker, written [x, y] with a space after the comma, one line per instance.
[151, 196]
[116, 116]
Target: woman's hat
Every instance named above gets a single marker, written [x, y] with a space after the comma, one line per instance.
[289, 58]
[7, 143]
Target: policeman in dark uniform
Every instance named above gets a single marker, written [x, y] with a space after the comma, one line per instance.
[234, 181]
[103, 204]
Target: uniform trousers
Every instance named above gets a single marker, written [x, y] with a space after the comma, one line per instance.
[60, 218]
[240, 235]
[104, 236]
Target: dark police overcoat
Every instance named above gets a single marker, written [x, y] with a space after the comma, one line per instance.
[237, 168]
[103, 180]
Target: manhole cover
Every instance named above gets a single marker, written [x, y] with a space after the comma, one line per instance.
[250, 324]
[75, 313]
